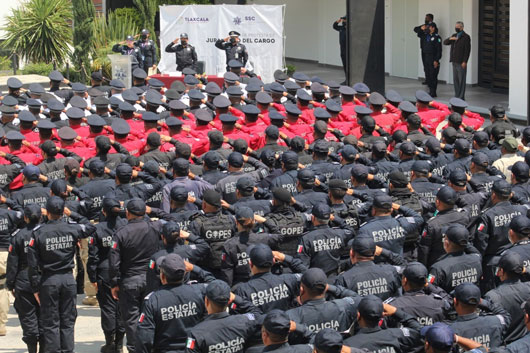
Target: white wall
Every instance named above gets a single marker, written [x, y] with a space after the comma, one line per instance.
[518, 57]
[308, 28]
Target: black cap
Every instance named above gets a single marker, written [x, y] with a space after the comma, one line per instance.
[31, 172]
[302, 95]
[120, 126]
[383, 201]
[221, 102]
[96, 166]
[195, 94]
[124, 171]
[55, 205]
[363, 245]
[244, 213]
[235, 159]
[480, 137]
[218, 292]
[245, 184]
[212, 159]
[462, 145]
[368, 123]
[55, 76]
[440, 336]
[467, 293]
[49, 148]
[139, 73]
[359, 171]
[321, 113]
[455, 118]
[315, 278]
[261, 255]
[337, 184]
[407, 107]
[277, 322]
[290, 159]
[481, 159]
[263, 98]
[433, 144]
[423, 97]
[191, 80]
[179, 194]
[15, 136]
[153, 139]
[172, 265]
[361, 88]
[96, 121]
[371, 308]
[150, 116]
[321, 211]
[502, 187]
[393, 96]
[447, 195]
[420, 166]
[136, 206]
[457, 102]
[521, 225]
[458, 177]
[361, 110]
[58, 187]
[329, 341]
[321, 146]
[26, 116]
[398, 178]
[169, 229]
[45, 125]
[348, 152]
[282, 195]
[32, 210]
[408, 148]
[512, 262]
[457, 234]
[414, 120]
[181, 165]
[250, 109]
[212, 197]
[230, 77]
[306, 176]
[272, 132]
[416, 272]
[203, 115]
[521, 170]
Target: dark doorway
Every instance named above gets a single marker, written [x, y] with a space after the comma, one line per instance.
[494, 45]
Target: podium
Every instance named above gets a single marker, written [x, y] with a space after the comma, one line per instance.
[121, 68]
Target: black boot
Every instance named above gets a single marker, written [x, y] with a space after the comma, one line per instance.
[109, 346]
[32, 347]
[119, 342]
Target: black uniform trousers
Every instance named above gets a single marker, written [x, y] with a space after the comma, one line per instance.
[132, 292]
[58, 311]
[431, 73]
[28, 314]
[110, 313]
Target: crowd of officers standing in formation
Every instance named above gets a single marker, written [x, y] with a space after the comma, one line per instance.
[294, 216]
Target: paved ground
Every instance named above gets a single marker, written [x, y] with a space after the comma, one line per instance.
[88, 334]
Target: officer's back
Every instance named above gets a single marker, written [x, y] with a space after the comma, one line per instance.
[32, 191]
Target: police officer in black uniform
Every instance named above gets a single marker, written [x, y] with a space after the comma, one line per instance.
[432, 53]
[322, 246]
[215, 227]
[245, 194]
[341, 26]
[287, 180]
[128, 47]
[317, 313]
[185, 53]
[460, 264]
[275, 333]
[427, 303]
[160, 326]
[17, 280]
[235, 257]
[471, 202]
[420, 182]
[365, 277]
[32, 191]
[97, 187]
[482, 180]
[511, 293]
[51, 252]
[374, 338]
[8, 172]
[233, 48]
[148, 50]
[219, 328]
[131, 249]
[306, 189]
[98, 272]
[519, 238]
[430, 247]
[520, 176]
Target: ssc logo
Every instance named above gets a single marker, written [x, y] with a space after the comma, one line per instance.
[237, 20]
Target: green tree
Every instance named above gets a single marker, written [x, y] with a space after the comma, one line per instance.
[40, 31]
[84, 13]
[148, 9]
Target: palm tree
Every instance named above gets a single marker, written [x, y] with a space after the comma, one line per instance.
[40, 31]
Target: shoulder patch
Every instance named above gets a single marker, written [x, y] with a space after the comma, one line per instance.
[190, 343]
[410, 219]
[15, 232]
[406, 331]
[250, 316]
[148, 295]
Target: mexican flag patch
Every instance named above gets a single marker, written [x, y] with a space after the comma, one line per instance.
[151, 264]
[481, 227]
[10, 247]
[31, 242]
[300, 249]
[190, 343]
[114, 245]
[91, 240]
[142, 317]
[431, 279]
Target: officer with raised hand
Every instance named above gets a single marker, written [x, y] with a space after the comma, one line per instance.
[219, 328]
[288, 179]
[427, 303]
[148, 50]
[275, 334]
[365, 277]
[317, 313]
[322, 246]
[235, 266]
[440, 338]
[389, 232]
[132, 247]
[51, 253]
[215, 227]
[169, 312]
[371, 336]
[245, 194]
[330, 341]
[460, 264]
[519, 234]
[266, 290]
[489, 327]
[430, 247]
[233, 48]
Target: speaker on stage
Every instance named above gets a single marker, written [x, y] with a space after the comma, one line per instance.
[366, 39]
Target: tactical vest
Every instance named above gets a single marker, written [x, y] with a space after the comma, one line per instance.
[215, 231]
[291, 224]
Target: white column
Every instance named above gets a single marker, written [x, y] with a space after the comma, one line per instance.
[518, 57]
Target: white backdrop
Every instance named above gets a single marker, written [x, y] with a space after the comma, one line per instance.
[261, 28]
